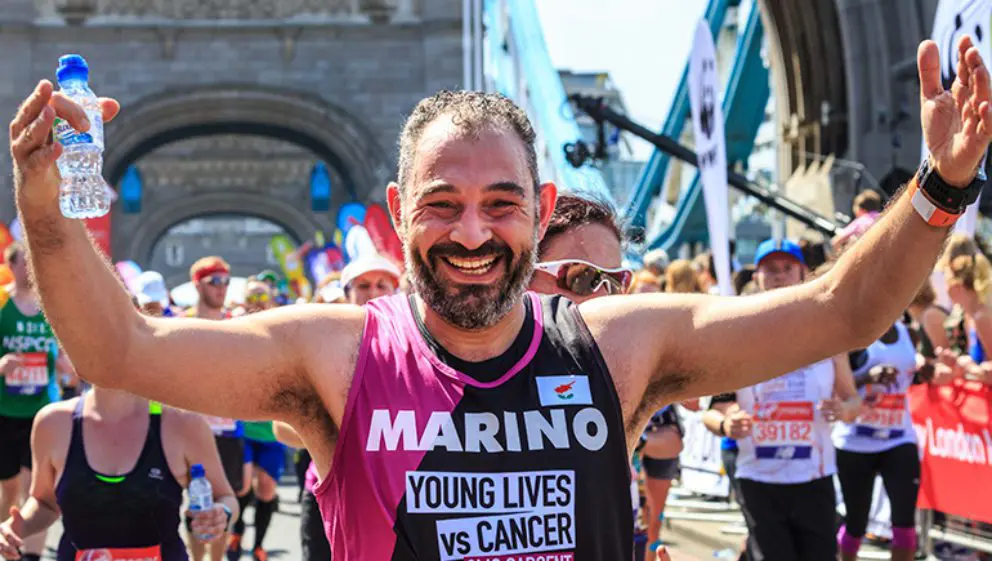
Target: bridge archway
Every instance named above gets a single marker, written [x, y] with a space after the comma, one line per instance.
[330, 133]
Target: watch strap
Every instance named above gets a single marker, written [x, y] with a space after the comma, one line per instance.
[951, 200]
[930, 212]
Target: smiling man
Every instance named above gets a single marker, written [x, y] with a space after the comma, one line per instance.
[438, 420]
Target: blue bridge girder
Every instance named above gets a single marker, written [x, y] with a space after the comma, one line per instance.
[744, 102]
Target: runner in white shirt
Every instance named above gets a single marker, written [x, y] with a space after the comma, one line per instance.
[786, 461]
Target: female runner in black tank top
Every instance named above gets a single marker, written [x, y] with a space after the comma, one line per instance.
[114, 466]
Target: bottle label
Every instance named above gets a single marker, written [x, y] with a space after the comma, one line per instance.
[68, 136]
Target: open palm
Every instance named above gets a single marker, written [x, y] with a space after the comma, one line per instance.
[957, 125]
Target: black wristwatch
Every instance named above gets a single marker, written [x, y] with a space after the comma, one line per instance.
[952, 200]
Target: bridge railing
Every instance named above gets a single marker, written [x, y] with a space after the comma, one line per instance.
[518, 65]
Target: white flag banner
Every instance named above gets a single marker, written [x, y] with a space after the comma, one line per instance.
[953, 20]
[711, 150]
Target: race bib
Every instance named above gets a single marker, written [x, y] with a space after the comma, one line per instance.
[31, 377]
[153, 553]
[221, 424]
[884, 418]
[497, 516]
[783, 430]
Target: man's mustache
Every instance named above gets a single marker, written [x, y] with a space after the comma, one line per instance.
[451, 249]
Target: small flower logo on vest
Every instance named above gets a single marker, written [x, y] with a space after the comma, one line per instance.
[155, 473]
[564, 391]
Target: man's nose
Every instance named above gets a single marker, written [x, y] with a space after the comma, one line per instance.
[472, 230]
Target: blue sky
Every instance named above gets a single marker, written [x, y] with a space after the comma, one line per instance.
[643, 44]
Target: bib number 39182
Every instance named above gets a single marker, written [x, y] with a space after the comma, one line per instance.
[783, 430]
[30, 377]
[153, 553]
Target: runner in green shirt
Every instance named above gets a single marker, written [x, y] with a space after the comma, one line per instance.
[265, 456]
[28, 353]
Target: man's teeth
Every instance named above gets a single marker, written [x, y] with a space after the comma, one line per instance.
[472, 266]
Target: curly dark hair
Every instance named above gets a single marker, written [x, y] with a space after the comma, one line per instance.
[472, 112]
[572, 211]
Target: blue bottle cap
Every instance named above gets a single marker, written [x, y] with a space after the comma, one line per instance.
[72, 67]
[197, 471]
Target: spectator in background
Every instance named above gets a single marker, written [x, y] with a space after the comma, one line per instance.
[741, 278]
[369, 277]
[210, 275]
[706, 272]
[656, 261]
[329, 290]
[866, 207]
[646, 281]
[153, 296]
[814, 253]
[928, 322]
[969, 282]
[681, 277]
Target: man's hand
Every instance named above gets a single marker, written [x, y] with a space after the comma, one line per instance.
[738, 424]
[36, 178]
[835, 409]
[957, 124]
[11, 533]
[9, 363]
[948, 366]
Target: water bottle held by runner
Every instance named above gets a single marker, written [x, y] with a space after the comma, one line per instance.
[201, 494]
[83, 192]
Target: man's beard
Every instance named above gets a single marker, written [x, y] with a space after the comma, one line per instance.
[471, 306]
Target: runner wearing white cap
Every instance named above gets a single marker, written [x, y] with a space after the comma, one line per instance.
[368, 277]
[153, 296]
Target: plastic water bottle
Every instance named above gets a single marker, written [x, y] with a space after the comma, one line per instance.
[83, 193]
[201, 495]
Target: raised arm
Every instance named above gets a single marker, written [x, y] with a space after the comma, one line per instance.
[676, 346]
[259, 367]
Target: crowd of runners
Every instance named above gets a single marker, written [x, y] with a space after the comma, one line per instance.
[511, 392]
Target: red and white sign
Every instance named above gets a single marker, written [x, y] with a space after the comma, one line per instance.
[952, 423]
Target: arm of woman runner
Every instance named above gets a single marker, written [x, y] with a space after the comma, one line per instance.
[201, 448]
[932, 322]
[679, 346]
[50, 432]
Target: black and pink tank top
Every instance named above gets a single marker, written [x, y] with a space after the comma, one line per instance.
[522, 457]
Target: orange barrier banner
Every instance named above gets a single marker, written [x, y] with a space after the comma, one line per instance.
[952, 425]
